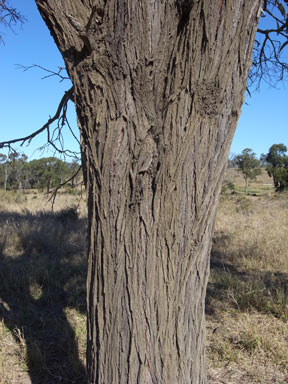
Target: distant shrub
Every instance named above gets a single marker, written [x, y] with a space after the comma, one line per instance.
[227, 186]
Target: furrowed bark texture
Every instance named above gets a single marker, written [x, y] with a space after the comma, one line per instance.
[158, 90]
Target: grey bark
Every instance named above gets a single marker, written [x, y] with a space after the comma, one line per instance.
[158, 90]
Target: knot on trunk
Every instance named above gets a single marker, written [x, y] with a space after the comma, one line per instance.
[209, 98]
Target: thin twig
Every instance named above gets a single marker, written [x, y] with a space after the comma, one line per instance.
[54, 193]
[63, 102]
[49, 71]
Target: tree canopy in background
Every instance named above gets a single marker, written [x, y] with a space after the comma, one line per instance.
[45, 173]
[277, 168]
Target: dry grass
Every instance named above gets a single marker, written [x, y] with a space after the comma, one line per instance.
[42, 292]
[247, 299]
[42, 288]
[247, 348]
[34, 202]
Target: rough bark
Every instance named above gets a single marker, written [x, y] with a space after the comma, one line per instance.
[158, 90]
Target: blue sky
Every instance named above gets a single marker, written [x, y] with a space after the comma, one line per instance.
[27, 101]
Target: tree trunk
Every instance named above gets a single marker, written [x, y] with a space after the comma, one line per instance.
[158, 90]
[6, 177]
[20, 186]
[246, 185]
[48, 186]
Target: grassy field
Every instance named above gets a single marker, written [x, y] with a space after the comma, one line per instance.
[247, 299]
[42, 287]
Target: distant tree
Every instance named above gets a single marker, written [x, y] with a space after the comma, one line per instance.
[44, 172]
[49, 172]
[249, 166]
[232, 160]
[263, 160]
[3, 170]
[72, 172]
[16, 170]
[277, 168]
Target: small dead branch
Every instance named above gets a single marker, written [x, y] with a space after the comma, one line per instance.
[60, 115]
[61, 185]
[9, 17]
[50, 73]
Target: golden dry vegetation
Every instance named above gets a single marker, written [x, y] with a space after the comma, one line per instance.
[247, 298]
[42, 287]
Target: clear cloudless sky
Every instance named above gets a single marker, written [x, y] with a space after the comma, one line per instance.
[27, 101]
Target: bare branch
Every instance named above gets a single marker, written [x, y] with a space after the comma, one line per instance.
[54, 193]
[49, 71]
[9, 16]
[61, 107]
[72, 132]
[54, 137]
[270, 54]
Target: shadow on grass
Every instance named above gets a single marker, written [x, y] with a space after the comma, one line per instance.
[231, 285]
[42, 273]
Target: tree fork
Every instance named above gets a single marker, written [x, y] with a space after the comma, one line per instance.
[158, 91]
